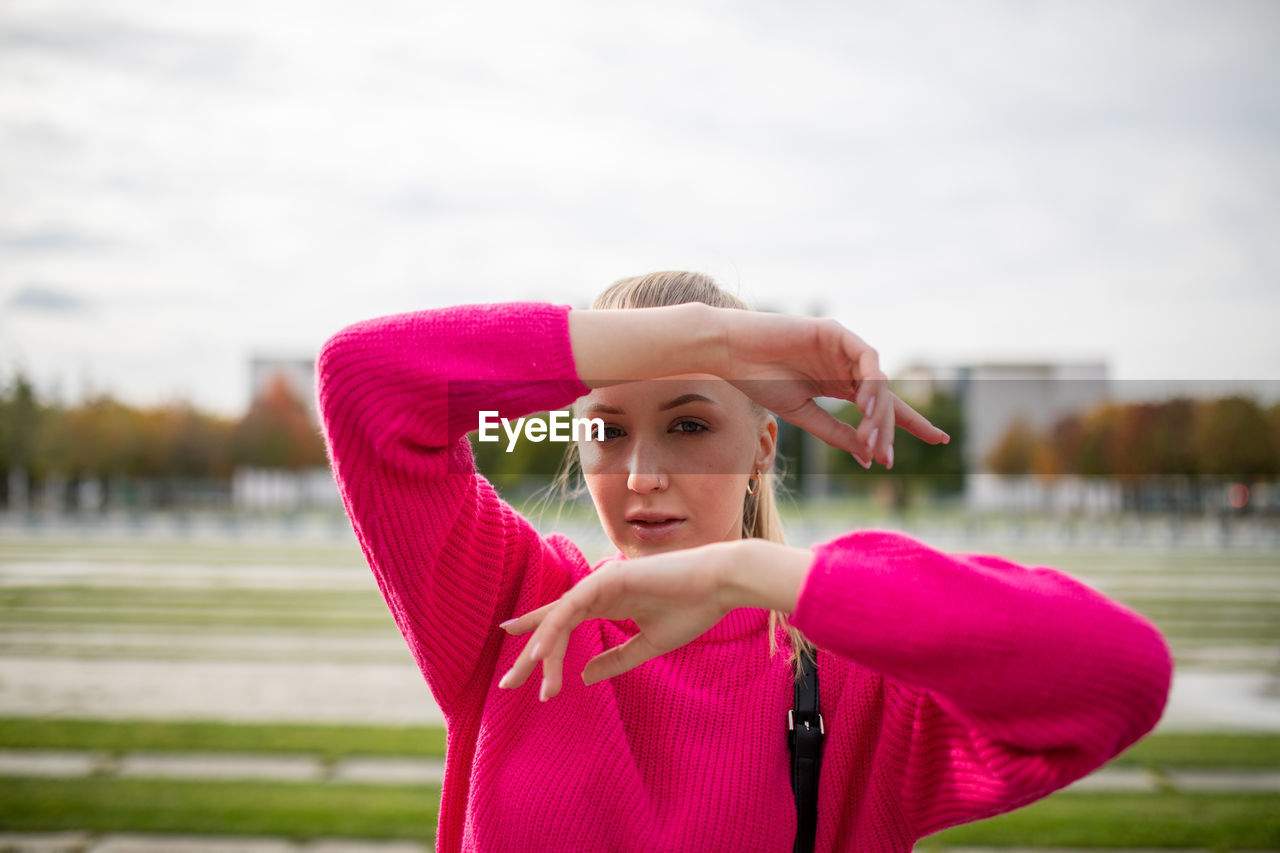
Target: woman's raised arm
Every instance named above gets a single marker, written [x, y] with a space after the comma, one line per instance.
[781, 362]
[397, 396]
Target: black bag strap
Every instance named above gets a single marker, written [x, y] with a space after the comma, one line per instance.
[805, 731]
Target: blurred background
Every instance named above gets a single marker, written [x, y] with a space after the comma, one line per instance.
[1056, 222]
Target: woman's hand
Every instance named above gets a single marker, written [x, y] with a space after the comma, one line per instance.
[673, 598]
[784, 363]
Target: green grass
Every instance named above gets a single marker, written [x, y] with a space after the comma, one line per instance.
[1188, 750]
[1157, 751]
[1218, 822]
[308, 810]
[303, 811]
[328, 741]
[289, 810]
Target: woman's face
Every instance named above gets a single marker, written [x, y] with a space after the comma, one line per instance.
[673, 469]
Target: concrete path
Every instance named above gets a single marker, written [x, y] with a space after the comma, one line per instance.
[80, 842]
[220, 766]
[83, 842]
[334, 692]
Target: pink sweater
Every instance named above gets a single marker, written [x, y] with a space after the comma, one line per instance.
[954, 686]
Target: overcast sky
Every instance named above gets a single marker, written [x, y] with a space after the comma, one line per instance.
[184, 185]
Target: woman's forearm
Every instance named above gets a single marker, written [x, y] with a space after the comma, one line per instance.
[765, 574]
[616, 346]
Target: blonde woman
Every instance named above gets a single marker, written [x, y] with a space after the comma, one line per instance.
[953, 686]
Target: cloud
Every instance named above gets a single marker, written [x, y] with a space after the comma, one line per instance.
[48, 300]
[1053, 177]
[54, 239]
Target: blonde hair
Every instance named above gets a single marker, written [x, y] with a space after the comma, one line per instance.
[760, 519]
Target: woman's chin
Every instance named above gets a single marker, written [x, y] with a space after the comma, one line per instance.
[640, 548]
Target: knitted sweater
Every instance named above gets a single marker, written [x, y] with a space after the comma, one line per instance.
[953, 686]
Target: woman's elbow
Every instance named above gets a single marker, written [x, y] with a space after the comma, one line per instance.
[1153, 682]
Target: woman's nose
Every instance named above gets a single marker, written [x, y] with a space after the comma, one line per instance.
[645, 472]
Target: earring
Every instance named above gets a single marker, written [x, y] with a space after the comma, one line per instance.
[758, 479]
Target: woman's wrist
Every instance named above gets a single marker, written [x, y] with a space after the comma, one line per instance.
[626, 345]
[760, 573]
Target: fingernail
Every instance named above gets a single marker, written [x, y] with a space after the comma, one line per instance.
[533, 650]
[890, 454]
[508, 623]
[506, 680]
[542, 691]
[871, 407]
[871, 442]
[861, 462]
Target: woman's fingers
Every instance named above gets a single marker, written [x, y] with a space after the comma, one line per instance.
[917, 424]
[816, 420]
[618, 659]
[527, 621]
[533, 650]
[875, 430]
[554, 623]
[557, 643]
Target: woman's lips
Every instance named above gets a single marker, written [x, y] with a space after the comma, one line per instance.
[654, 531]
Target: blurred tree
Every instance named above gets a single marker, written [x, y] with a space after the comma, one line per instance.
[1234, 438]
[1095, 453]
[1157, 452]
[20, 415]
[1273, 426]
[277, 432]
[1171, 437]
[102, 438]
[529, 465]
[200, 445]
[919, 470]
[1014, 453]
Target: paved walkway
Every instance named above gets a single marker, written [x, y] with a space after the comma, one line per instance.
[220, 766]
[420, 771]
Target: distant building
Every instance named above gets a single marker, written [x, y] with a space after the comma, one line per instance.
[992, 396]
[299, 374]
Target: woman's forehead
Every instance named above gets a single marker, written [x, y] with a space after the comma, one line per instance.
[655, 395]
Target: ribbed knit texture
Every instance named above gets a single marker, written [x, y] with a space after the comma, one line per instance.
[954, 686]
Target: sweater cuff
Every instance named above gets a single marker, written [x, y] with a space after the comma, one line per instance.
[877, 597]
[825, 592]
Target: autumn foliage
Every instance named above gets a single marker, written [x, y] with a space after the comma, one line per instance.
[1228, 437]
[102, 438]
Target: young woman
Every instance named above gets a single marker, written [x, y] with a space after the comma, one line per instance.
[953, 686]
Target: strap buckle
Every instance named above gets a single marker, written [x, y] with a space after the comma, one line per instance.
[791, 723]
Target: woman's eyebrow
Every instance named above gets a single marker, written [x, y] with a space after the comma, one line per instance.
[685, 398]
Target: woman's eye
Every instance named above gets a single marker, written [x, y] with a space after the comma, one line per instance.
[611, 432]
[690, 427]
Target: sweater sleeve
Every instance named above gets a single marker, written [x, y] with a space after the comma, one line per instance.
[397, 396]
[1003, 683]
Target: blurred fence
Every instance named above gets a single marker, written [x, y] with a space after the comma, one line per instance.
[805, 524]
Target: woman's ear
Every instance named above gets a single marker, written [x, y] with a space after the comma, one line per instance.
[768, 446]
